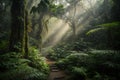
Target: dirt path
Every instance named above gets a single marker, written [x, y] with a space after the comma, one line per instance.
[55, 73]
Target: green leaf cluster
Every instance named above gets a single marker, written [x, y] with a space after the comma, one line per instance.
[14, 67]
[95, 64]
[113, 26]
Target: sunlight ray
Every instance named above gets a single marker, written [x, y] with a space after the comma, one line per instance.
[56, 32]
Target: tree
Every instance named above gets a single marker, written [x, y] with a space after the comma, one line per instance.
[116, 10]
[18, 38]
[42, 10]
[45, 10]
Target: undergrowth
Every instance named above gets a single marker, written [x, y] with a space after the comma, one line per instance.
[92, 65]
[14, 67]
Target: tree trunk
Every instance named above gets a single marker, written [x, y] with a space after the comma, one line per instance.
[17, 38]
[26, 35]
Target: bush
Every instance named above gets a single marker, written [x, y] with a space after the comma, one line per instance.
[63, 50]
[102, 62]
[78, 73]
[58, 52]
[105, 62]
[76, 59]
[23, 72]
[14, 67]
[37, 61]
[108, 36]
[3, 45]
[11, 60]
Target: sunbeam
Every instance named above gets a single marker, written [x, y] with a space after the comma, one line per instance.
[59, 39]
[56, 31]
[80, 15]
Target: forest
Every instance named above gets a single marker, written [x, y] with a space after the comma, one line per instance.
[59, 39]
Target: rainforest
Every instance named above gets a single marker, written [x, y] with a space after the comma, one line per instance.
[59, 39]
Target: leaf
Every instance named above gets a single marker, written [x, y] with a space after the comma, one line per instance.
[93, 30]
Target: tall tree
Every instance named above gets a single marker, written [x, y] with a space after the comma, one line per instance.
[42, 9]
[18, 38]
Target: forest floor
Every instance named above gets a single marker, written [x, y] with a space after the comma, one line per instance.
[55, 72]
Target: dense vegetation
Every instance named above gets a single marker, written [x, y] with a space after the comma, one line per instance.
[31, 30]
[89, 63]
[14, 67]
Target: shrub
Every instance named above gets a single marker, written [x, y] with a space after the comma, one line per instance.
[102, 62]
[78, 73]
[37, 61]
[58, 52]
[14, 67]
[23, 72]
[76, 59]
[11, 60]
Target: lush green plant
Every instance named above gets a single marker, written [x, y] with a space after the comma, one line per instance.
[3, 45]
[108, 35]
[11, 60]
[98, 76]
[23, 72]
[75, 59]
[14, 67]
[78, 73]
[60, 51]
[63, 50]
[4, 41]
[104, 26]
[104, 62]
[37, 61]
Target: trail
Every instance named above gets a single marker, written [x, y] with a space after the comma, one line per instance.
[55, 72]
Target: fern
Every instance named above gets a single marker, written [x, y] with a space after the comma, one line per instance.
[14, 67]
[107, 26]
[23, 72]
[11, 60]
[113, 24]
[93, 31]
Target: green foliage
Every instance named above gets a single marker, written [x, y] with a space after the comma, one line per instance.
[10, 61]
[4, 35]
[80, 46]
[98, 76]
[4, 29]
[78, 73]
[106, 61]
[3, 45]
[14, 67]
[23, 72]
[93, 31]
[107, 33]
[59, 51]
[37, 61]
[107, 26]
[101, 61]
[43, 6]
[56, 9]
[111, 25]
[75, 59]
[62, 50]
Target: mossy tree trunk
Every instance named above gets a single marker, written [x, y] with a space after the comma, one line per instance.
[18, 38]
[26, 35]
